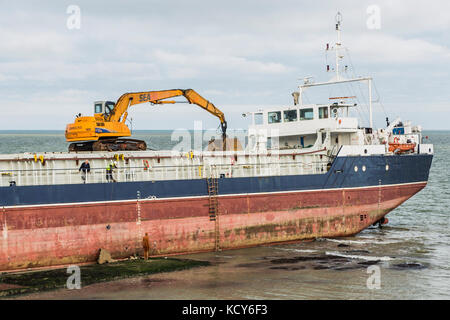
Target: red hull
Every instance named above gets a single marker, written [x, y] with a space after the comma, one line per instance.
[62, 234]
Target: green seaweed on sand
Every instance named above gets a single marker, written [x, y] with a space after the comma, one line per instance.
[35, 281]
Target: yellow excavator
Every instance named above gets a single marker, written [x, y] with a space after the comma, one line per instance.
[104, 131]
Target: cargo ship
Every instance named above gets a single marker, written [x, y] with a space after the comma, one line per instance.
[307, 171]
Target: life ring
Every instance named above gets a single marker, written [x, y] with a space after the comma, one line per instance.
[146, 164]
[396, 140]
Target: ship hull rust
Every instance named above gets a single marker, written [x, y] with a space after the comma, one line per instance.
[34, 236]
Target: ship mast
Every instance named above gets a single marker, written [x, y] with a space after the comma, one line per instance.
[338, 43]
[337, 79]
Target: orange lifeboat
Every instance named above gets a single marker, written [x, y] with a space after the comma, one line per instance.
[401, 147]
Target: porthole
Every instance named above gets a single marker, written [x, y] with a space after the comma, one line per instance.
[363, 168]
[356, 168]
[387, 167]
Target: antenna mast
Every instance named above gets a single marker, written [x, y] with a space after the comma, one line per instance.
[338, 43]
[308, 83]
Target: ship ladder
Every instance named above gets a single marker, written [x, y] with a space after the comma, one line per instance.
[213, 188]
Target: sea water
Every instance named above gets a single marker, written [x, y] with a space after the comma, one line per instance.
[409, 258]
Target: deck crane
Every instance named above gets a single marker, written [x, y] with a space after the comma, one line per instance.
[104, 130]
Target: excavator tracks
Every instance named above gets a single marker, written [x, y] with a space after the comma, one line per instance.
[109, 145]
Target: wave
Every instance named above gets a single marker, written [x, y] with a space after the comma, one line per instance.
[298, 250]
[368, 241]
[350, 256]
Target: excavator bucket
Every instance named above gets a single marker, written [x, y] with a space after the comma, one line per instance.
[231, 144]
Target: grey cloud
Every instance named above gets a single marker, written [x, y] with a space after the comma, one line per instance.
[241, 54]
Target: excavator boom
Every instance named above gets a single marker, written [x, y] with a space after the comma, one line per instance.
[157, 97]
[129, 99]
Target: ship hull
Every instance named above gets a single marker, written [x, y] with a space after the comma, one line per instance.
[51, 225]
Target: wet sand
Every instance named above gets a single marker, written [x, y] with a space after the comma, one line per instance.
[323, 269]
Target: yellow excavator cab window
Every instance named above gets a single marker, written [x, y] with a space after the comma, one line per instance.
[98, 108]
[104, 107]
[109, 106]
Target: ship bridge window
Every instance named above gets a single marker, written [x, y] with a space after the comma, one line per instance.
[290, 115]
[274, 117]
[258, 118]
[323, 112]
[306, 114]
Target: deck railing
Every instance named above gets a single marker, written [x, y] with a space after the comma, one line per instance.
[30, 174]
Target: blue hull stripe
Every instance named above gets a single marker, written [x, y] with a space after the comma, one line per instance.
[402, 169]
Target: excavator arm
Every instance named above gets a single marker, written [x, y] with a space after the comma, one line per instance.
[119, 113]
[194, 97]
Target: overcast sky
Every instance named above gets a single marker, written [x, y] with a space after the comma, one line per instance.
[240, 55]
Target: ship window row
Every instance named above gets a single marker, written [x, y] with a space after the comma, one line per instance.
[292, 115]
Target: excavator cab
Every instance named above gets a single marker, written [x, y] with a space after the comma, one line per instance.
[103, 107]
